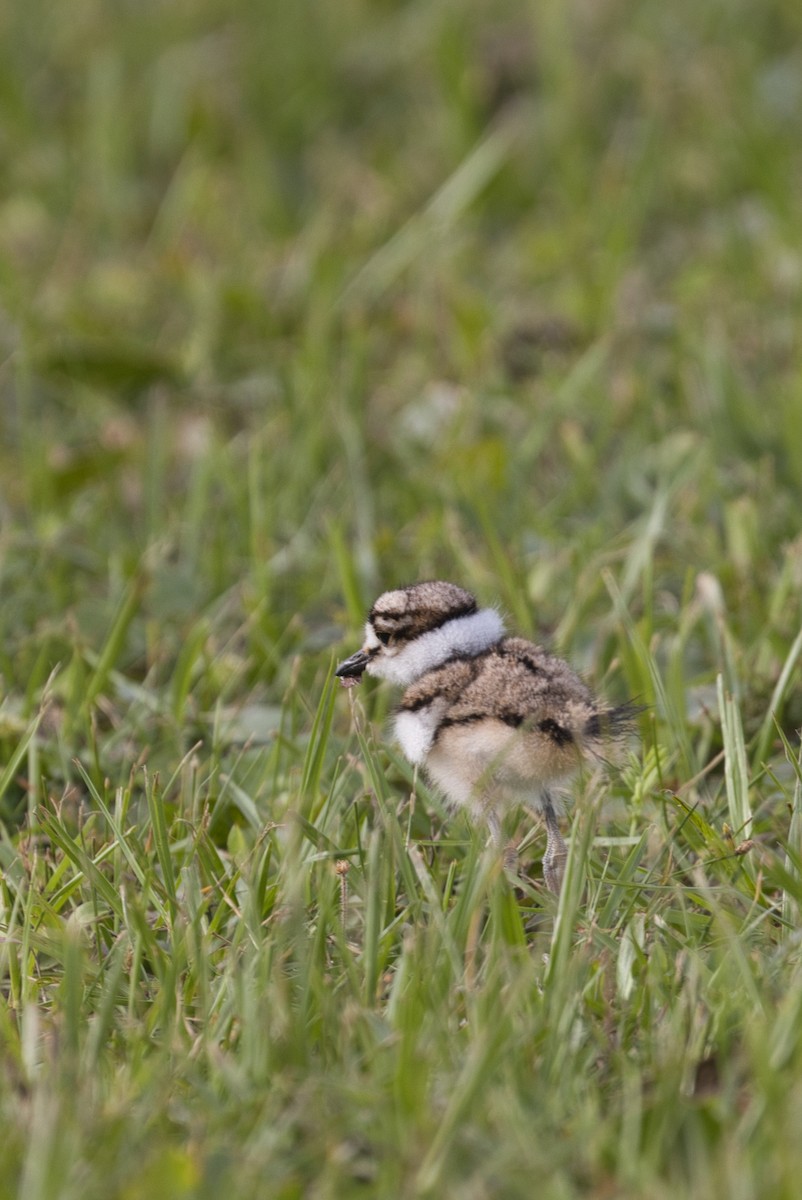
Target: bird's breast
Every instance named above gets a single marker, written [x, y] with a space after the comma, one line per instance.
[415, 732]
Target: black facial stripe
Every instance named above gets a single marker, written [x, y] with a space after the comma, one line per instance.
[387, 618]
[399, 630]
[418, 621]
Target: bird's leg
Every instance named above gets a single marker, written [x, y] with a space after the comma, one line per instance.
[556, 850]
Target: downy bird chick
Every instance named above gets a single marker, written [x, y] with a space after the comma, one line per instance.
[493, 720]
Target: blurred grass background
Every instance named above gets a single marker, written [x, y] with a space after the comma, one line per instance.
[298, 302]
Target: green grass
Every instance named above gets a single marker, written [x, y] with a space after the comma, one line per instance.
[299, 302]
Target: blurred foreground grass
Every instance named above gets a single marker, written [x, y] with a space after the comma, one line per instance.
[298, 302]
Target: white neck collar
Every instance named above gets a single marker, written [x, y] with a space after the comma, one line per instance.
[462, 635]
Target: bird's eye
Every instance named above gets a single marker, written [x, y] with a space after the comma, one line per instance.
[384, 637]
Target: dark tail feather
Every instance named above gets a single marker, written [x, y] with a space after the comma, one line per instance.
[614, 723]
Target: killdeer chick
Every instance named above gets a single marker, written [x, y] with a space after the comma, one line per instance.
[493, 720]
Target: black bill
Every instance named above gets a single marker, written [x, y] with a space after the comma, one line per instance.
[353, 667]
